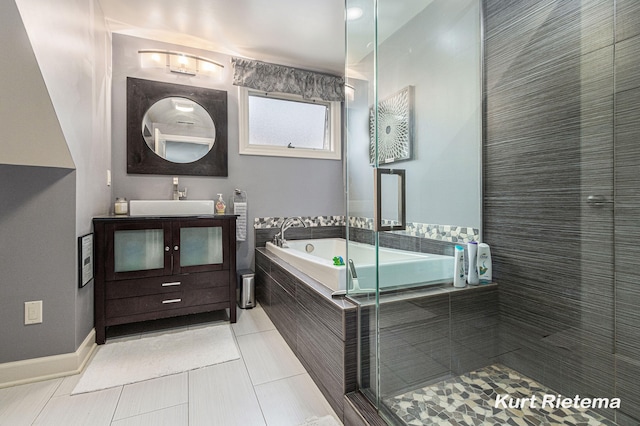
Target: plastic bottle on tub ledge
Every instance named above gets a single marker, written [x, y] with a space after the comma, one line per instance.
[458, 267]
[472, 254]
[484, 263]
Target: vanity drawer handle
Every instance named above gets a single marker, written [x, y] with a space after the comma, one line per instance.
[171, 284]
[171, 301]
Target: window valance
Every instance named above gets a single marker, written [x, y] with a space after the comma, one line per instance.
[278, 78]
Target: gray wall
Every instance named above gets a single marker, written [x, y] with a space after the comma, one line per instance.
[46, 208]
[437, 52]
[275, 186]
[47, 146]
[562, 115]
[37, 260]
[78, 81]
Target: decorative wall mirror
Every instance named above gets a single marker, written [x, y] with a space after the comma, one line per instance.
[174, 129]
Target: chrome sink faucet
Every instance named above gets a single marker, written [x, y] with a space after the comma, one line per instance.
[177, 194]
[286, 224]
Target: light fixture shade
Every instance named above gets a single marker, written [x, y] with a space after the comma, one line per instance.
[180, 63]
[209, 68]
[152, 59]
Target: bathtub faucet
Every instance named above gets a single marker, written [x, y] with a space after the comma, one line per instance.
[286, 224]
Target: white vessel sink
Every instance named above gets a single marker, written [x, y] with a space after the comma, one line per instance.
[170, 207]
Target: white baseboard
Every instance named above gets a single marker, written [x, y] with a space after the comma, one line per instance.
[48, 367]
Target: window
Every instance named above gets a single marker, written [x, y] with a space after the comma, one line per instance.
[288, 126]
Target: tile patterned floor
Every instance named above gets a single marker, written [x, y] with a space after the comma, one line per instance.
[250, 391]
[469, 400]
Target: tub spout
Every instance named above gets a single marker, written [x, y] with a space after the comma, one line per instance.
[287, 223]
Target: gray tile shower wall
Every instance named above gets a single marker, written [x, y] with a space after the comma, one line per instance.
[556, 128]
[627, 205]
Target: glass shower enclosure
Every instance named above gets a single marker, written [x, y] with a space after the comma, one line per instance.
[413, 166]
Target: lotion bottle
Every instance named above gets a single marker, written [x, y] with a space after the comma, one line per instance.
[472, 253]
[220, 205]
[484, 263]
[458, 267]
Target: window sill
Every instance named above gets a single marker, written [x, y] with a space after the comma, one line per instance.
[291, 152]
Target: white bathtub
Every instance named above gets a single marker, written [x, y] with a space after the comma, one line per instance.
[398, 268]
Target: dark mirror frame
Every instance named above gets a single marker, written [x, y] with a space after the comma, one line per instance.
[141, 94]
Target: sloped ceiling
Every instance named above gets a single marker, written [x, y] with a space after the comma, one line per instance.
[304, 33]
[31, 133]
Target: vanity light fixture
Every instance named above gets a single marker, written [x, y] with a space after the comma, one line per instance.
[179, 63]
[181, 106]
[184, 108]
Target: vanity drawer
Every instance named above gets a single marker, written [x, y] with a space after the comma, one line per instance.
[165, 301]
[206, 296]
[166, 284]
[144, 304]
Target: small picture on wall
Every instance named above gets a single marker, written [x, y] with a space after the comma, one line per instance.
[85, 259]
[395, 128]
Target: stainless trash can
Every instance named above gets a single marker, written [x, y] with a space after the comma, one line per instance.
[246, 289]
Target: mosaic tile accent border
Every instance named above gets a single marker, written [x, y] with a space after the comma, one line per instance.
[310, 221]
[470, 399]
[449, 233]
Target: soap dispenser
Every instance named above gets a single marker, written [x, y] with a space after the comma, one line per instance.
[220, 205]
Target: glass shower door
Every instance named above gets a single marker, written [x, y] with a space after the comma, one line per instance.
[413, 148]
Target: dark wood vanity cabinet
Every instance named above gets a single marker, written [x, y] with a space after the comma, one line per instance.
[156, 267]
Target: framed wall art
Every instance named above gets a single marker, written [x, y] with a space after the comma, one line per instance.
[395, 128]
[85, 259]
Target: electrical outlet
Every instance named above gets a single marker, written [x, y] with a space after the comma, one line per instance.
[33, 312]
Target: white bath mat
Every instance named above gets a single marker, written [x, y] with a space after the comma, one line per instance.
[122, 363]
[321, 421]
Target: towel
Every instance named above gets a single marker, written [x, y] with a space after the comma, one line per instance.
[241, 222]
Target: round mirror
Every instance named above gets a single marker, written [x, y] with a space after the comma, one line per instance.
[178, 130]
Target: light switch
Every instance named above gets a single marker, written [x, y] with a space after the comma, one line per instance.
[33, 312]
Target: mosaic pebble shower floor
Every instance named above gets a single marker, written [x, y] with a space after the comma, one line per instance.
[469, 400]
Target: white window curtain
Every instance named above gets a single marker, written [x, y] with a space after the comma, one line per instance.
[278, 78]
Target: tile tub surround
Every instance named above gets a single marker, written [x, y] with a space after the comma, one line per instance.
[320, 330]
[317, 227]
[448, 233]
[310, 221]
[428, 334]
[435, 236]
[266, 228]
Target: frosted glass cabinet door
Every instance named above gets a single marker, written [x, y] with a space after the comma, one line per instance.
[200, 246]
[138, 250]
